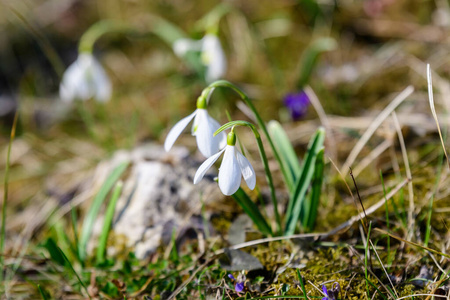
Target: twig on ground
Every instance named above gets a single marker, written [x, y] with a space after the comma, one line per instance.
[369, 211]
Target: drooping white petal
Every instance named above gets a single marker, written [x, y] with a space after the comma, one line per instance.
[205, 166]
[221, 138]
[101, 82]
[247, 170]
[84, 85]
[176, 130]
[84, 79]
[72, 87]
[229, 172]
[183, 45]
[213, 57]
[204, 128]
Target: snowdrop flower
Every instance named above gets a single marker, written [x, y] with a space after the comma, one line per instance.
[212, 55]
[85, 79]
[203, 129]
[234, 165]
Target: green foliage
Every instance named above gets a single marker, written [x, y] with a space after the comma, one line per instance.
[109, 215]
[44, 294]
[5, 193]
[252, 210]
[54, 252]
[311, 204]
[73, 271]
[287, 153]
[91, 216]
[297, 198]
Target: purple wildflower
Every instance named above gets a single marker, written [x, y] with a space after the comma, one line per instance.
[239, 286]
[333, 293]
[297, 103]
[238, 283]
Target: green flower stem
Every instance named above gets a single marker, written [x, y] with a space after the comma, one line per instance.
[262, 153]
[210, 22]
[100, 28]
[88, 119]
[158, 26]
[261, 124]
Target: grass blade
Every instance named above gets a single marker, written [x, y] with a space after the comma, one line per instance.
[309, 210]
[286, 152]
[389, 262]
[252, 211]
[303, 181]
[302, 284]
[73, 217]
[42, 292]
[5, 193]
[431, 201]
[89, 220]
[109, 215]
[73, 271]
[63, 240]
[54, 252]
[366, 260]
[433, 111]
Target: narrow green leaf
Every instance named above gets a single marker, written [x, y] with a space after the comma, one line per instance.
[74, 221]
[310, 207]
[303, 181]
[73, 271]
[5, 192]
[109, 215]
[54, 252]
[91, 216]
[252, 211]
[302, 284]
[286, 151]
[42, 292]
[64, 241]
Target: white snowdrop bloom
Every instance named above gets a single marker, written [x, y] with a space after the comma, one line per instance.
[182, 46]
[203, 129]
[233, 166]
[212, 55]
[85, 79]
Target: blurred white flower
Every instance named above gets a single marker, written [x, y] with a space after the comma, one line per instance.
[212, 54]
[233, 166]
[85, 79]
[203, 129]
[182, 46]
